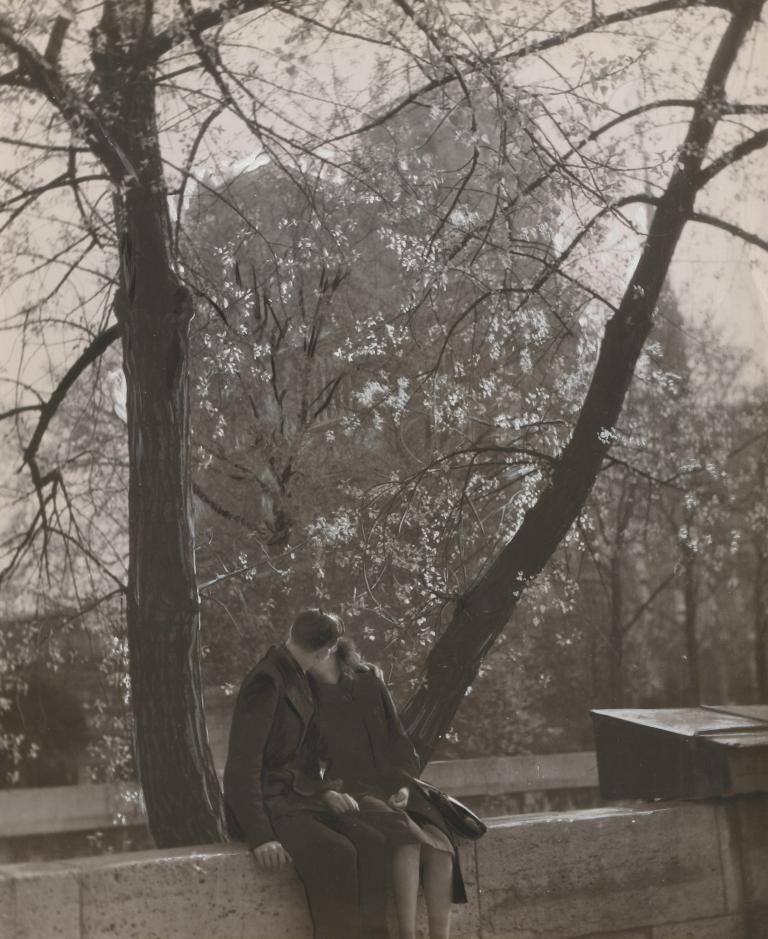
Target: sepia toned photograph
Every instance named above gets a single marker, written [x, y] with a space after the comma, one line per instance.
[383, 469]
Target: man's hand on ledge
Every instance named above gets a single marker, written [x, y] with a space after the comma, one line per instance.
[271, 855]
[339, 802]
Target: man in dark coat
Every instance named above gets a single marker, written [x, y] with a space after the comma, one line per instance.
[276, 800]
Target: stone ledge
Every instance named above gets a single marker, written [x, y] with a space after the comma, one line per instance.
[663, 872]
[600, 869]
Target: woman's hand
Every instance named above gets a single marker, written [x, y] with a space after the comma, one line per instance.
[340, 802]
[400, 799]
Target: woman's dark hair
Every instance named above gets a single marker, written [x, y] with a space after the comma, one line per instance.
[348, 657]
[314, 629]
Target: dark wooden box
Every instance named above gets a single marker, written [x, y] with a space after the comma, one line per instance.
[681, 753]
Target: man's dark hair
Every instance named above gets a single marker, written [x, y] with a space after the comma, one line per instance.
[313, 629]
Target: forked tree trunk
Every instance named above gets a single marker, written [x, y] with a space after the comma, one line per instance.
[179, 783]
[484, 610]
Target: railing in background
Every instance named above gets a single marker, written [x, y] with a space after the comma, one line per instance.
[57, 809]
[501, 775]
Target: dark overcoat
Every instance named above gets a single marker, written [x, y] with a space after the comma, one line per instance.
[268, 773]
[388, 763]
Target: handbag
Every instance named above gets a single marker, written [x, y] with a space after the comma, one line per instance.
[461, 820]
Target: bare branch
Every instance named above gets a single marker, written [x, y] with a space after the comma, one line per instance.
[595, 23]
[48, 147]
[756, 142]
[335, 30]
[612, 460]
[199, 137]
[219, 509]
[91, 606]
[43, 76]
[604, 128]
[206, 585]
[56, 39]
[705, 219]
[746, 109]
[178, 33]
[14, 79]
[660, 588]
[20, 410]
[59, 182]
[327, 393]
[86, 358]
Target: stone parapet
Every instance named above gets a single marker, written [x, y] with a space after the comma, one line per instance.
[671, 871]
[57, 809]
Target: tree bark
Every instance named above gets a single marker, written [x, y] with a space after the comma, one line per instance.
[484, 610]
[178, 780]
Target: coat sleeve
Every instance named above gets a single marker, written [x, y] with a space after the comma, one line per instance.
[251, 724]
[405, 760]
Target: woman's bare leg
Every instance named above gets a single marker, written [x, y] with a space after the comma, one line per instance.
[405, 883]
[438, 891]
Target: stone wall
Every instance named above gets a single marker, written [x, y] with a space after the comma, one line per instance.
[59, 822]
[673, 871]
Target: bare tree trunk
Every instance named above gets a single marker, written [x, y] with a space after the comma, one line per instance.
[176, 771]
[484, 610]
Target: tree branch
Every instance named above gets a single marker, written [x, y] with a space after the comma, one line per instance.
[644, 606]
[43, 76]
[756, 142]
[219, 509]
[86, 358]
[483, 610]
[56, 39]
[706, 219]
[199, 137]
[703, 218]
[746, 109]
[178, 32]
[558, 39]
[20, 410]
[58, 182]
[604, 128]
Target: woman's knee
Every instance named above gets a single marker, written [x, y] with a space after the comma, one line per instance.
[437, 858]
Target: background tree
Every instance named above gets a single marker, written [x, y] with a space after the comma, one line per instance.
[477, 268]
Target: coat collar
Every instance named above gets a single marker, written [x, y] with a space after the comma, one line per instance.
[296, 685]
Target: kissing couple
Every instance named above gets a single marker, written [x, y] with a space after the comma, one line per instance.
[321, 774]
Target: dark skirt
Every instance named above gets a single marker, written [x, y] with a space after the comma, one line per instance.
[419, 823]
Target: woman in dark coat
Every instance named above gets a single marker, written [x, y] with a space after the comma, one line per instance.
[359, 736]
